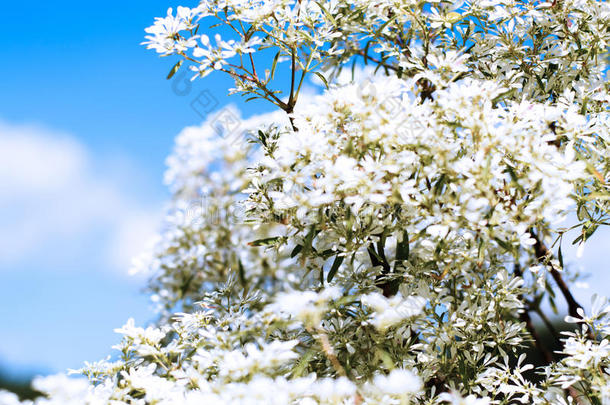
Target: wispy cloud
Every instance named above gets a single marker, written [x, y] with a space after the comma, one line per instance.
[57, 198]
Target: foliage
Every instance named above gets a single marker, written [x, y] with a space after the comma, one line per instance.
[387, 240]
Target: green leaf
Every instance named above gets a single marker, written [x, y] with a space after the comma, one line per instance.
[262, 137]
[326, 13]
[308, 240]
[587, 231]
[304, 361]
[265, 241]
[274, 64]
[174, 69]
[366, 52]
[504, 245]
[560, 256]
[376, 260]
[384, 357]
[385, 24]
[335, 266]
[540, 83]
[553, 305]
[501, 96]
[327, 253]
[321, 76]
[402, 248]
[242, 273]
[438, 186]
[297, 249]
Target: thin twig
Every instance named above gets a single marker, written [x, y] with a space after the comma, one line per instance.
[330, 353]
[543, 254]
[525, 317]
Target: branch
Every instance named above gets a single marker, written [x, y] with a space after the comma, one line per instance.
[377, 61]
[546, 354]
[525, 317]
[547, 323]
[389, 287]
[543, 254]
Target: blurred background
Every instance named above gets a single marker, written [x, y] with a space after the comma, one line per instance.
[86, 121]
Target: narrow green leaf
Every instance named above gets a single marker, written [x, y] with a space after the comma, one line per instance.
[540, 83]
[327, 253]
[335, 266]
[366, 53]
[502, 96]
[560, 256]
[263, 139]
[589, 231]
[174, 69]
[326, 13]
[321, 76]
[438, 186]
[308, 240]
[375, 258]
[274, 64]
[503, 244]
[304, 361]
[242, 273]
[553, 305]
[385, 24]
[402, 248]
[297, 249]
[265, 241]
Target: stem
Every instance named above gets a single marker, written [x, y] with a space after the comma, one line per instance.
[543, 254]
[249, 54]
[306, 70]
[547, 323]
[328, 350]
[377, 61]
[546, 354]
[525, 317]
[291, 100]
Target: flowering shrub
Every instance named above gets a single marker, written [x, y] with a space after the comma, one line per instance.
[387, 240]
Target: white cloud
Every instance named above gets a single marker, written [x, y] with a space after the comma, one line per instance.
[56, 197]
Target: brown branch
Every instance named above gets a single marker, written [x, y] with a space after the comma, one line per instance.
[377, 61]
[547, 323]
[327, 348]
[546, 354]
[389, 287]
[543, 254]
[525, 317]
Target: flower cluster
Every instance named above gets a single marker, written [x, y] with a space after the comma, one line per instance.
[388, 240]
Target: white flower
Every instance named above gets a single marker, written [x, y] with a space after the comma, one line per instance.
[391, 311]
[455, 398]
[306, 306]
[398, 382]
[164, 33]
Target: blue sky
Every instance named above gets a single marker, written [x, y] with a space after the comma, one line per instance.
[86, 121]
